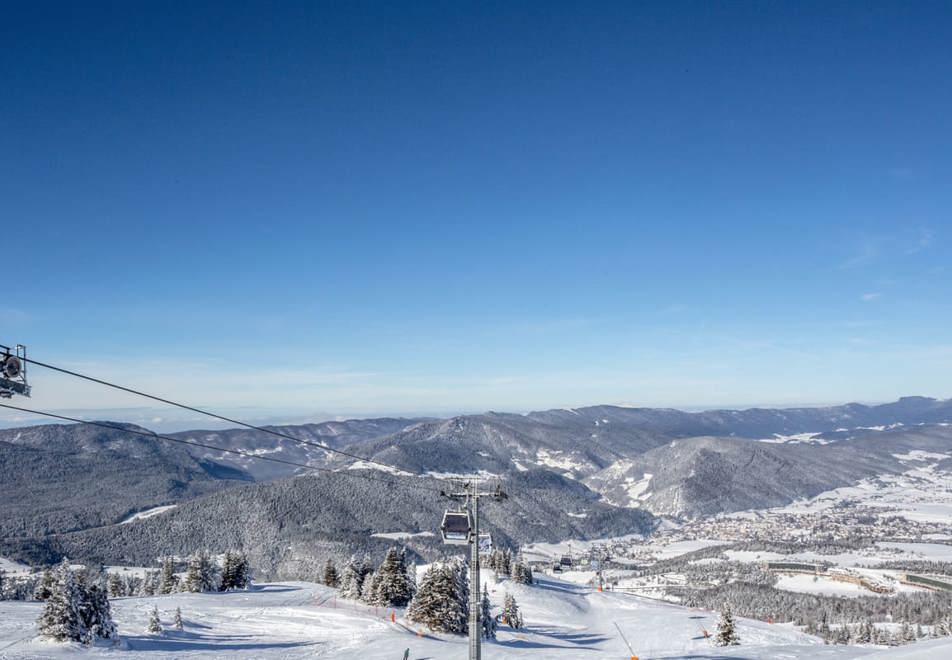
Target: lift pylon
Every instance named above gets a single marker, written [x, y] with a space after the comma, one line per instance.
[13, 372]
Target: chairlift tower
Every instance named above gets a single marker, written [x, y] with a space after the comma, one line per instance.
[467, 493]
[13, 372]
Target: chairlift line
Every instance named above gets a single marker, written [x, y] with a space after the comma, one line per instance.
[207, 413]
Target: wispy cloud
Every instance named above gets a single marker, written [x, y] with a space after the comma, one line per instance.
[924, 241]
[867, 252]
[870, 297]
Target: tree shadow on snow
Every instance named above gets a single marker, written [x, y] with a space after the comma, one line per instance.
[695, 657]
[526, 644]
[186, 642]
[577, 638]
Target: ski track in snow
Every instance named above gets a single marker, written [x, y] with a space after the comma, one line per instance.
[298, 619]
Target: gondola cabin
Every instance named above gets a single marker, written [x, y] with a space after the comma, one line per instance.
[456, 527]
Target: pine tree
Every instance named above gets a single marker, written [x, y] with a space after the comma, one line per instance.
[350, 581]
[117, 587]
[155, 625]
[944, 627]
[228, 572]
[150, 583]
[96, 613]
[437, 603]
[391, 587]
[411, 577]
[726, 630]
[510, 612]
[907, 633]
[331, 578]
[177, 622]
[201, 573]
[168, 581]
[61, 619]
[368, 588]
[45, 586]
[242, 570]
[486, 616]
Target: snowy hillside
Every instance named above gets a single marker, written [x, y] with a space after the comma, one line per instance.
[299, 619]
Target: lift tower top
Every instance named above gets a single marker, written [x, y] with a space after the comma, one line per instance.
[13, 372]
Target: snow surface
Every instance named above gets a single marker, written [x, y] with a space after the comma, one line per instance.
[922, 493]
[400, 536]
[148, 513]
[299, 619]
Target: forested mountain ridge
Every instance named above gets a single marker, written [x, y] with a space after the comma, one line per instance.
[58, 478]
[288, 527]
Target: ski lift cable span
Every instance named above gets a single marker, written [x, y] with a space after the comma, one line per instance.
[238, 452]
[208, 413]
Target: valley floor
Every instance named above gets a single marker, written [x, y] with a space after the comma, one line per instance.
[299, 619]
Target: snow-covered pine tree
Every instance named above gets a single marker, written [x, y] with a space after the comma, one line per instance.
[460, 572]
[864, 633]
[177, 622]
[487, 619]
[437, 601]
[331, 577]
[510, 612]
[201, 573]
[45, 586]
[350, 581]
[61, 619]
[391, 587]
[96, 614]
[243, 571]
[726, 629]
[150, 583]
[168, 581]
[521, 573]
[411, 571]
[368, 587]
[117, 586]
[944, 627]
[907, 633]
[155, 624]
[228, 572]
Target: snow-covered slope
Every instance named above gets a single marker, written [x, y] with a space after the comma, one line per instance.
[296, 620]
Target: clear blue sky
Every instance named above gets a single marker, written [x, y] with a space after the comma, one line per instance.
[397, 207]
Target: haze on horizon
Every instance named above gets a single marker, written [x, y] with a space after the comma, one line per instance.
[330, 211]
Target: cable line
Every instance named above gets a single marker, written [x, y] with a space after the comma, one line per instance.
[183, 406]
[238, 452]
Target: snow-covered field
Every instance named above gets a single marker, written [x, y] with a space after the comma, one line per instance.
[923, 492]
[298, 619]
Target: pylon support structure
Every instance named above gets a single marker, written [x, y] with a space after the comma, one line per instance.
[468, 493]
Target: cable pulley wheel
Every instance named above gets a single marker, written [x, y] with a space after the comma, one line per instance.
[11, 367]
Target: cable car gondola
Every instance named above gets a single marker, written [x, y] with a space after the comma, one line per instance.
[456, 528]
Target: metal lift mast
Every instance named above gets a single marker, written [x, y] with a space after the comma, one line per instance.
[469, 494]
[13, 372]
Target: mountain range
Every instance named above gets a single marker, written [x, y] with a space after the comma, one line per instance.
[570, 473]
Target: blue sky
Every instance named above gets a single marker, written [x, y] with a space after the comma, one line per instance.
[357, 208]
